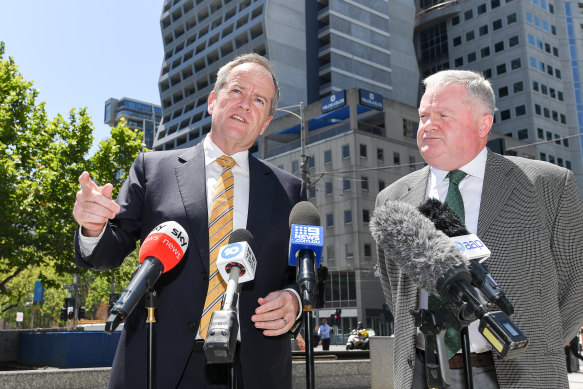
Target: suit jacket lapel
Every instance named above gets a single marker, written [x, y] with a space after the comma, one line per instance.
[496, 190]
[261, 189]
[191, 177]
[416, 187]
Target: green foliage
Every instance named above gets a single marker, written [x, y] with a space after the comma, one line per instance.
[40, 162]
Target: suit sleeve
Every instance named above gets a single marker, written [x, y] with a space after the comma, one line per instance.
[567, 247]
[121, 233]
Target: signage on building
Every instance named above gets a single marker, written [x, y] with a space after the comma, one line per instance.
[371, 99]
[333, 101]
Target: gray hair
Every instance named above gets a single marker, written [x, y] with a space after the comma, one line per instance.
[476, 84]
[225, 70]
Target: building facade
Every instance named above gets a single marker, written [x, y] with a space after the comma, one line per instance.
[138, 116]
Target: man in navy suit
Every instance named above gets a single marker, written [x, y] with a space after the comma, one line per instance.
[166, 186]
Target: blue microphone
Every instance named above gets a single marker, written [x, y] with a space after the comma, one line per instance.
[305, 247]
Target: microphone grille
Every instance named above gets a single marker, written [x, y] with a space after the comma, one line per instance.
[304, 213]
[241, 235]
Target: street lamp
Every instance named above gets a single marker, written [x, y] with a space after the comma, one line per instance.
[303, 136]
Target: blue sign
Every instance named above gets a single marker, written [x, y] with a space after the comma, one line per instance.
[333, 101]
[371, 99]
[39, 294]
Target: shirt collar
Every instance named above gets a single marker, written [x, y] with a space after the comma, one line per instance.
[212, 152]
[476, 167]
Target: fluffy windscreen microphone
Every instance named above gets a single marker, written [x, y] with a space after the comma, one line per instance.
[443, 217]
[423, 253]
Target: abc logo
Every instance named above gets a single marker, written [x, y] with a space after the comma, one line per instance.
[232, 250]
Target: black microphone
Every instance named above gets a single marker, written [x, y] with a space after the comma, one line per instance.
[305, 247]
[447, 220]
[236, 263]
[432, 262]
[162, 249]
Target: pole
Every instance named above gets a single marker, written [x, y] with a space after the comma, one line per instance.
[303, 137]
[150, 320]
[309, 339]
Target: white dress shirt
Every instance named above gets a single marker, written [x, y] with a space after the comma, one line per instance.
[471, 190]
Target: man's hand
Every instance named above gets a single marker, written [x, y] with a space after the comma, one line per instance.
[276, 313]
[94, 206]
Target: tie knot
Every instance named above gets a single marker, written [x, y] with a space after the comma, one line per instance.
[455, 176]
[226, 161]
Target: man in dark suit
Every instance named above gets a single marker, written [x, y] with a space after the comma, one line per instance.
[528, 213]
[178, 186]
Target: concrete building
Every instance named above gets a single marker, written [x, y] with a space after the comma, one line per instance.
[532, 53]
[356, 67]
[137, 114]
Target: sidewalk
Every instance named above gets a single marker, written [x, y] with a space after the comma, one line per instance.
[576, 381]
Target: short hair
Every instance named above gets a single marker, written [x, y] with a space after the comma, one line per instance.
[476, 85]
[225, 70]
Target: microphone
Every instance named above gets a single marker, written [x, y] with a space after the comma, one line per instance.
[447, 220]
[432, 262]
[305, 247]
[162, 249]
[236, 263]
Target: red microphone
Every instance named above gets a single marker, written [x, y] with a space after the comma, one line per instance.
[162, 249]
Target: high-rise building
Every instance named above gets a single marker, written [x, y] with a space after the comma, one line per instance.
[317, 47]
[532, 52]
[356, 67]
[137, 114]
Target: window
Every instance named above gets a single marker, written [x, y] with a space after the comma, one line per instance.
[381, 185]
[547, 48]
[468, 14]
[470, 35]
[312, 192]
[533, 62]
[558, 73]
[535, 86]
[485, 51]
[511, 18]
[503, 92]
[327, 157]
[560, 96]
[505, 115]
[348, 216]
[487, 73]
[295, 166]
[515, 64]
[481, 9]
[537, 109]
[523, 134]
[513, 41]
[329, 220]
[498, 46]
[566, 142]
[328, 188]
[458, 62]
[555, 51]
[396, 158]
[363, 153]
[345, 151]
[364, 183]
[455, 20]
[563, 118]
[557, 141]
[349, 251]
[346, 184]
[543, 89]
[530, 40]
[367, 251]
[543, 157]
[501, 69]
[471, 57]
[520, 110]
[550, 70]
[497, 24]
[546, 113]
[365, 216]
[457, 41]
[380, 156]
[518, 87]
[540, 133]
[494, 3]
[311, 162]
[483, 30]
[330, 253]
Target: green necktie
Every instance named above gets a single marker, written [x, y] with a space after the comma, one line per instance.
[455, 201]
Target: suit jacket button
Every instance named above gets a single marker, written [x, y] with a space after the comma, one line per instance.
[204, 276]
[192, 325]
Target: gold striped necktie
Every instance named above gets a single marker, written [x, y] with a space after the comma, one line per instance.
[220, 227]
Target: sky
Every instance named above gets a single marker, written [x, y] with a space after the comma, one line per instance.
[79, 53]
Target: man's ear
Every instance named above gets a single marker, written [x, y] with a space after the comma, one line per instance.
[486, 121]
[211, 102]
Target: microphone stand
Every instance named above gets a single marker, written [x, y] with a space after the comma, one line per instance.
[309, 339]
[150, 320]
[465, 338]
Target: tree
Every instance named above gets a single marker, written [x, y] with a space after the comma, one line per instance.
[40, 162]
